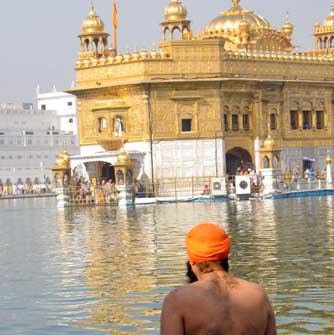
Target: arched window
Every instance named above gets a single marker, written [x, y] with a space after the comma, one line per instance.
[120, 177]
[235, 118]
[332, 42]
[226, 118]
[70, 120]
[118, 126]
[128, 177]
[266, 162]
[275, 162]
[245, 121]
[176, 34]
[103, 124]
[319, 43]
[105, 43]
[87, 45]
[166, 33]
[273, 121]
[96, 44]
[326, 43]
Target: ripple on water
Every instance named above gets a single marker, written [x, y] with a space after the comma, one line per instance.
[106, 270]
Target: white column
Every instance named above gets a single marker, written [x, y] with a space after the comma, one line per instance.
[224, 157]
[328, 172]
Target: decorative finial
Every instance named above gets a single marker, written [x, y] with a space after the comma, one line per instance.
[236, 3]
[92, 6]
[332, 7]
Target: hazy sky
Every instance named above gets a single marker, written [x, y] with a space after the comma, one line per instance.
[39, 41]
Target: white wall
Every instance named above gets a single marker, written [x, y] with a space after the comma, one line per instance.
[66, 107]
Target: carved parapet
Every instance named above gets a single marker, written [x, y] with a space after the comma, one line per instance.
[92, 60]
[280, 56]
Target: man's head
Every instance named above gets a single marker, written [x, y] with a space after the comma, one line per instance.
[207, 243]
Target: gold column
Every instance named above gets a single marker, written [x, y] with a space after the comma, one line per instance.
[300, 119]
[240, 121]
[314, 119]
[230, 127]
[325, 118]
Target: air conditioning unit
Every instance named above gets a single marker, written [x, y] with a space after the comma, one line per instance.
[242, 185]
[218, 187]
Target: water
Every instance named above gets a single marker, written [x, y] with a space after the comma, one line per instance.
[106, 270]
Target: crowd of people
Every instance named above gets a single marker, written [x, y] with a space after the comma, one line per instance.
[20, 188]
[87, 192]
[308, 175]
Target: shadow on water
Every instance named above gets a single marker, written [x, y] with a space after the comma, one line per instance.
[106, 270]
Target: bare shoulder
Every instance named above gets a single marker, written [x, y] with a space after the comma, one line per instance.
[183, 295]
[180, 293]
[256, 288]
[252, 290]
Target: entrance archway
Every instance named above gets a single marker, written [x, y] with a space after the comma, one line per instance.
[108, 172]
[237, 158]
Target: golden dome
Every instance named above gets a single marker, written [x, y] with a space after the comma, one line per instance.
[65, 157]
[175, 11]
[229, 22]
[92, 23]
[63, 160]
[123, 158]
[329, 22]
[287, 28]
[269, 142]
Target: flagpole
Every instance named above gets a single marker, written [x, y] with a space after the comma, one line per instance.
[115, 23]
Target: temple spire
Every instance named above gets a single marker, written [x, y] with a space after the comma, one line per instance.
[332, 7]
[236, 3]
[92, 9]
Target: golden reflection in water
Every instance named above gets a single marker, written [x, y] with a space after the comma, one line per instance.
[120, 261]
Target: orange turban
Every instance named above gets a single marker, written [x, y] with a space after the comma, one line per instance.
[207, 242]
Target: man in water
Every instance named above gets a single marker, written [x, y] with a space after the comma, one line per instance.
[215, 302]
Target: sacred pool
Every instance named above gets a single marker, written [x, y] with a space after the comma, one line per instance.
[106, 270]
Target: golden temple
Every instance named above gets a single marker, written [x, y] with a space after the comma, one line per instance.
[207, 102]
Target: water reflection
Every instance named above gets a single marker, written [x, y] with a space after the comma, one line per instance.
[107, 270]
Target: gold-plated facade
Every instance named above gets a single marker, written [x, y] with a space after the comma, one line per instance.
[229, 82]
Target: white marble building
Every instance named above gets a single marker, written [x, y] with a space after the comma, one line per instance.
[64, 104]
[30, 141]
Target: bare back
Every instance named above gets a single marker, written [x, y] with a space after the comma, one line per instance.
[219, 305]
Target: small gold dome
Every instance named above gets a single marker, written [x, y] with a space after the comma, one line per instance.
[59, 162]
[123, 157]
[317, 26]
[269, 142]
[92, 23]
[329, 21]
[287, 28]
[175, 11]
[65, 157]
[63, 160]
